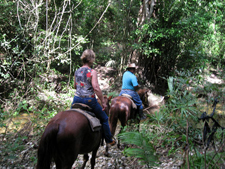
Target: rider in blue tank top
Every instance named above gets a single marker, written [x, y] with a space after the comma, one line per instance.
[130, 85]
[86, 85]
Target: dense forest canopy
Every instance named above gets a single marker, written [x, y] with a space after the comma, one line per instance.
[160, 36]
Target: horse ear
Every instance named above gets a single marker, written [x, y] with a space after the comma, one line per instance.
[110, 97]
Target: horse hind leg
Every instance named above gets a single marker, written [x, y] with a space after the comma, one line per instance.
[58, 164]
[118, 143]
[66, 160]
[124, 122]
[94, 153]
[86, 157]
[112, 125]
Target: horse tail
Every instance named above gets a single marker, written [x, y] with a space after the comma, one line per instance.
[113, 118]
[47, 146]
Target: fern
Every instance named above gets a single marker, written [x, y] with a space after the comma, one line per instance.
[143, 149]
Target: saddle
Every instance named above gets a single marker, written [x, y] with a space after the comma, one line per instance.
[130, 97]
[87, 111]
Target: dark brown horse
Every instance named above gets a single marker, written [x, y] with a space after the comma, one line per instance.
[68, 134]
[122, 110]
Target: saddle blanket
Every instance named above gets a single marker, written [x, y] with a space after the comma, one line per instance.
[130, 97]
[93, 121]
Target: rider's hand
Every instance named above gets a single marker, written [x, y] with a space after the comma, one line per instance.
[104, 106]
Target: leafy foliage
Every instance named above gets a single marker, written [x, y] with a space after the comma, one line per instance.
[144, 150]
[180, 35]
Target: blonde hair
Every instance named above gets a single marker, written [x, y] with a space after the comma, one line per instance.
[88, 56]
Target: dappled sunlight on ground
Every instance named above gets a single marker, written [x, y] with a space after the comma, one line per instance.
[214, 79]
[16, 123]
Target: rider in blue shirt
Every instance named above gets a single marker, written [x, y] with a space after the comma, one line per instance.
[130, 86]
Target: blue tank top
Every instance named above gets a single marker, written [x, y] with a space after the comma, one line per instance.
[83, 82]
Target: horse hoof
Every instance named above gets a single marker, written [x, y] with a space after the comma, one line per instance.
[120, 147]
[106, 154]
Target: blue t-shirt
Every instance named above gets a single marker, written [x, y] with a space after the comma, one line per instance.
[129, 81]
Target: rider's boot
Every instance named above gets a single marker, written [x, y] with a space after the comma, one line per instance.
[141, 114]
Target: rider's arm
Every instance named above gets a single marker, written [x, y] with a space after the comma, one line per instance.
[75, 86]
[96, 88]
[136, 87]
[135, 83]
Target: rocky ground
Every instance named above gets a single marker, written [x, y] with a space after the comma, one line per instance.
[26, 159]
[116, 160]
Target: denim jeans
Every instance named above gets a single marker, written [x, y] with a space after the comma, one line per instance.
[100, 114]
[135, 97]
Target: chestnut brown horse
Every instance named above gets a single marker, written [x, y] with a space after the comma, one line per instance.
[121, 109]
[68, 134]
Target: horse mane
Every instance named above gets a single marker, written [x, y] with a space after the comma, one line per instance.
[142, 92]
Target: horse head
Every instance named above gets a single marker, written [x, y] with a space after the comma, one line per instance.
[155, 101]
[107, 100]
[143, 93]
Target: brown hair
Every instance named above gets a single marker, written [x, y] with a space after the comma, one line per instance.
[88, 56]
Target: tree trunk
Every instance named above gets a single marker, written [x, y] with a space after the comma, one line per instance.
[150, 66]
